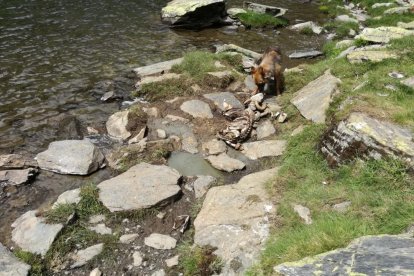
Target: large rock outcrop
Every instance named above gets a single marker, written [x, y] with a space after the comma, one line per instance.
[364, 136]
[235, 219]
[370, 255]
[193, 13]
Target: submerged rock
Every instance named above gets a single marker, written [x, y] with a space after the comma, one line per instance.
[305, 25]
[363, 136]
[235, 220]
[10, 265]
[142, 186]
[79, 157]
[313, 100]
[193, 13]
[369, 255]
[31, 233]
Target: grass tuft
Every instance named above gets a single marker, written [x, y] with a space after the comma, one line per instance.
[199, 260]
[89, 204]
[60, 214]
[35, 261]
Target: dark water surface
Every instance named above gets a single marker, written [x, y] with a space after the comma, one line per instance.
[56, 57]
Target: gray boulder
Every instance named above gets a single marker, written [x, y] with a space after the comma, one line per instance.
[142, 186]
[305, 54]
[383, 34]
[82, 257]
[71, 157]
[159, 241]
[193, 13]
[10, 265]
[265, 129]
[117, 125]
[313, 100]
[157, 68]
[197, 109]
[260, 149]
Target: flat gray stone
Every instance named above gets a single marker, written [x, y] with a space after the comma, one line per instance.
[409, 25]
[341, 207]
[359, 56]
[32, 234]
[224, 162]
[142, 186]
[369, 255]
[155, 79]
[220, 98]
[128, 238]
[313, 100]
[383, 34]
[408, 82]
[309, 24]
[116, 125]
[16, 161]
[68, 197]
[17, 177]
[259, 8]
[172, 261]
[101, 229]
[189, 143]
[398, 10]
[345, 18]
[265, 129]
[137, 258]
[214, 147]
[197, 109]
[235, 219]
[260, 149]
[82, 257]
[202, 184]
[305, 54]
[157, 68]
[10, 265]
[303, 212]
[159, 241]
[79, 157]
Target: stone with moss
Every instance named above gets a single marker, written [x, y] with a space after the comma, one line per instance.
[383, 34]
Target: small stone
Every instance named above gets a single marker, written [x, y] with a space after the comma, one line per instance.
[161, 215]
[265, 129]
[95, 272]
[221, 98]
[137, 257]
[96, 219]
[160, 272]
[68, 197]
[344, 43]
[391, 87]
[101, 229]
[235, 11]
[352, 32]
[282, 117]
[345, 18]
[87, 254]
[303, 212]
[92, 131]
[408, 82]
[161, 133]
[202, 184]
[138, 138]
[396, 75]
[196, 88]
[214, 147]
[224, 162]
[220, 79]
[172, 261]
[342, 207]
[302, 26]
[109, 96]
[128, 238]
[159, 241]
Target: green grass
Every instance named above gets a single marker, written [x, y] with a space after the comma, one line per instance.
[381, 193]
[89, 204]
[307, 31]
[35, 261]
[341, 29]
[389, 20]
[60, 214]
[195, 260]
[256, 20]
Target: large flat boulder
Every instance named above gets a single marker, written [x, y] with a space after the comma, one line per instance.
[235, 219]
[224, 97]
[142, 186]
[32, 234]
[10, 265]
[369, 255]
[359, 56]
[79, 157]
[362, 135]
[157, 68]
[260, 149]
[197, 109]
[313, 100]
[193, 13]
[383, 34]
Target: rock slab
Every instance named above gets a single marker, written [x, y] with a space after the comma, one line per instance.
[159, 241]
[16, 161]
[32, 234]
[265, 129]
[383, 34]
[260, 149]
[79, 157]
[313, 100]
[224, 162]
[142, 186]
[202, 184]
[83, 256]
[157, 68]
[17, 177]
[369, 255]
[235, 219]
[68, 197]
[214, 147]
[10, 265]
[197, 109]
[359, 56]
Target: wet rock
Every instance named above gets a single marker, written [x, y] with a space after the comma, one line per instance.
[101, 229]
[259, 8]
[345, 18]
[82, 257]
[383, 34]
[95, 272]
[202, 184]
[157, 68]
[409, 82]
[79, 157]
[193, 14]
[197, 109]
[128, 238]
[224, 97]
[265, 129]
[341, 207]
[117, 125]
[32, 234]
[10, 265]
[224, 162]
[137, 258]
[171, 262]
[305, 54]
[142, 186]
[260, 149]
[221, 79]
[96, 219]
[235, 220]
[159, 241]
[214, 147]
[155, 79]
[68, 197]
[359, 56]
[66, 127]
[16, 161]
[305, 25]
[398, 10]
[235, 11]
[409, 25]
[17, 177]
[363, 136]
[392, 255]
[313, 100]
[303, 212]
